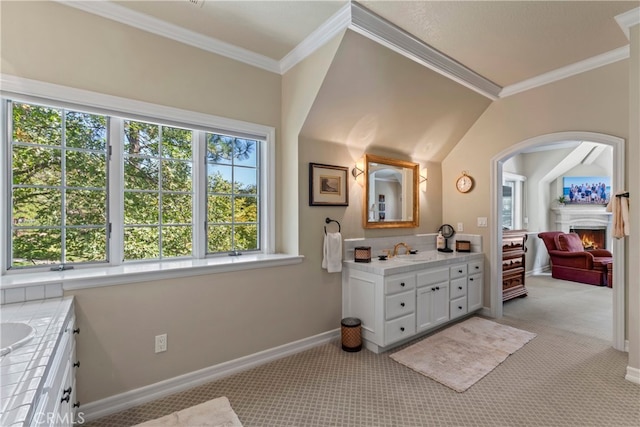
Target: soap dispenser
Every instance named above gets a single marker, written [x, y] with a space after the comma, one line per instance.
[440, 244]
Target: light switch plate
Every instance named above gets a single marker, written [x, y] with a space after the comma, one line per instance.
[482, 221]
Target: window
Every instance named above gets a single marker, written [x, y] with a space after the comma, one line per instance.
[92, 187]
[59, 186]
[513, 201]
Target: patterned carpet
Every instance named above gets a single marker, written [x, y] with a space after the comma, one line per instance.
[561, 378]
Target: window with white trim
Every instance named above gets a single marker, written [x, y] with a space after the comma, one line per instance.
[182, 190]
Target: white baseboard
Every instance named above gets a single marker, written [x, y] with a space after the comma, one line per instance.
[633, 375]
[129, 399]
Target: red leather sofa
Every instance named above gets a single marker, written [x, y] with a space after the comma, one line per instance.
[569, 260]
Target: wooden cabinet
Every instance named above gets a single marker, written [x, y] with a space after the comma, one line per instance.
[513, 264]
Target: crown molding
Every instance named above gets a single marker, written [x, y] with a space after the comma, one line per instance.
[382, 31]
[570, 70]
[338, 22]
[627, 20]
[123, 15]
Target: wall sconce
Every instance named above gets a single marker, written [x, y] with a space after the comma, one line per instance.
[423, 179]
[356, 171]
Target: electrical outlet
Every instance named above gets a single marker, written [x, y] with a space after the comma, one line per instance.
[460, 226]
[161, 343]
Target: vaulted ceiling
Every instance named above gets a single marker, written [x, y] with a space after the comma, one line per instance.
[374, 95]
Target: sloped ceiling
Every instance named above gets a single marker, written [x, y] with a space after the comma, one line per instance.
[374, 97]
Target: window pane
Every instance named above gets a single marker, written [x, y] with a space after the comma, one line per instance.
[176, 175]
[141, 243]
[36, 247]
[86, 244]
[219, 179]
[219, 238]
[141, 208]
[219, 149]
[37, 207]
[219, 209]
[86, 169]
[245, 153]
[176, 241]
[141, 174]
[141, 139]
[176, 143]
[245, 181]
[36, 166]
[86, 207]
[83, 130]
[246, 237]
[176, 209]
[246, 209]
[37, 125]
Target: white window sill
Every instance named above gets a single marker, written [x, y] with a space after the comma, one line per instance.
[82, 278]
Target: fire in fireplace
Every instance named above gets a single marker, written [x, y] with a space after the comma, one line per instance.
[592, 237]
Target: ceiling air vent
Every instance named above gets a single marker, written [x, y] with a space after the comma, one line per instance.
[198, 3]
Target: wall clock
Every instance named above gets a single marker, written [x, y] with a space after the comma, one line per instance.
[464, 183]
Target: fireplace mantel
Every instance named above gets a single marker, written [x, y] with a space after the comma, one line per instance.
[567, 217]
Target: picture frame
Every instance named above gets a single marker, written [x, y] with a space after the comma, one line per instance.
[586, 190]
[328, 185]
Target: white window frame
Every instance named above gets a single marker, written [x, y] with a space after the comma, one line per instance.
[518, 212]
[25, 90]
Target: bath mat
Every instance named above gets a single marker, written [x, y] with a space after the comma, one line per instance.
[464, 353]
[214, 413]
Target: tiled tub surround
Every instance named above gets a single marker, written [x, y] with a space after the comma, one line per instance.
[24, 371]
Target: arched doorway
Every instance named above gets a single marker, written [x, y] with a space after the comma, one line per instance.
[495, 226]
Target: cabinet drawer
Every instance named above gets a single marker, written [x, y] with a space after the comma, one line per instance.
[432, 277]
[398, 329]
[513, 263]
[458, 288]
[476, 267]
[400, 283]
[458, 271]
[512, 243]
[458, 307]
[399, 305]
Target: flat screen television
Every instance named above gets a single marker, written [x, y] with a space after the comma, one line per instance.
[586, 190]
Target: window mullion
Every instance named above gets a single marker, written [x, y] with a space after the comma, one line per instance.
[116, 191]
[199, 191]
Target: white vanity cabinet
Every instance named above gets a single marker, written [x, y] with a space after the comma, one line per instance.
[398, 301]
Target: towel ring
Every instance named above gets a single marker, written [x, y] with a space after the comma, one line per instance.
[328, 221]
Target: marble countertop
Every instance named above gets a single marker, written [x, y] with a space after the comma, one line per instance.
[408, 263]
[23, 370]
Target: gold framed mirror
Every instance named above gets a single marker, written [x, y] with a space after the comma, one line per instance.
[390, 193]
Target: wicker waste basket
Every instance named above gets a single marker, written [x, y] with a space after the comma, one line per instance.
[351, 329]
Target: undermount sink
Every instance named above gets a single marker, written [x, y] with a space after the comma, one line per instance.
[419, 257]
[13, 335]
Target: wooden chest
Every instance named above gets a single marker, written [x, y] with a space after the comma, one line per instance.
[513, 264]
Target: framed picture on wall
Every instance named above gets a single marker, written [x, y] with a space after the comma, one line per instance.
[328, 185]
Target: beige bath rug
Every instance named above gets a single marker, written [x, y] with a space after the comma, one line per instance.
[462, 354]
[214, 413]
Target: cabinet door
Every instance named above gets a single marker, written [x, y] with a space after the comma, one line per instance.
[474, 292]
[432, 306]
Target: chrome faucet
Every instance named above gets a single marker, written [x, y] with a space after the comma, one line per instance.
[406, 248]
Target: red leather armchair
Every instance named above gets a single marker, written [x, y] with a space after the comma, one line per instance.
[569, 260]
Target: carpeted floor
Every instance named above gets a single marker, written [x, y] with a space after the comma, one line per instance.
[569, 375]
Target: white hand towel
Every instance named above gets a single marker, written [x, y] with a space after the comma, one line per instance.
[619, 207]
[332, 252]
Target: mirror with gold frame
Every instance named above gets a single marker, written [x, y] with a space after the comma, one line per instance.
[390, 193]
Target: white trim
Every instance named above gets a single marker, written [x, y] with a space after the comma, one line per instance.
[570, 70]
[627, 20]
[141, 21]
[382, 31]
[330, 28]
[495, 226]
[129, 399]
[633, 375]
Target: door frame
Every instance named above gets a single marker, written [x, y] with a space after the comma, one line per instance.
[495, 226]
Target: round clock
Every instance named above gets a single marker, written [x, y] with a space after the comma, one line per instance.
[464, 184]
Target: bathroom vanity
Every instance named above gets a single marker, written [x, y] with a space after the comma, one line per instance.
[408, 295]
[38, 377]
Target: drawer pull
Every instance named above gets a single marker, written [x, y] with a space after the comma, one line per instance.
[76, 364]
[471, 278]
[402, 284]
[477, 267]
[460, 271]
[67, 391]
[402, 328]
[401, 304]
[459, 308]
[65, 399]
[460, 287]
[77, 404]
[76, 331]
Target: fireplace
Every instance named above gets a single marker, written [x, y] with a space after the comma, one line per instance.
[592, 237]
